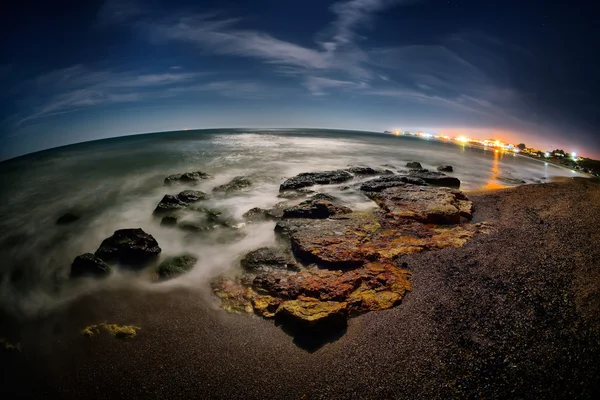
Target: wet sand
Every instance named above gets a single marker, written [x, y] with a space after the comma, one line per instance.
[515, 313]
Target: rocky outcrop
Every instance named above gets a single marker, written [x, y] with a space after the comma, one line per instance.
[445, 168]
[315, 208]
[89, 265]
[236, 184]
[307, 179]
[188, 178]
[413, 165]
[267, 259]
[179, 201]
[426, 204]
[67, 219]
[129, 246]
[366, 171]
[349, 259]
[261, 214]
[384, 182]
[435, 178]
[175, 266]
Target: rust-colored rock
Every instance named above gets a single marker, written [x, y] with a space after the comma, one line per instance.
[351, 257]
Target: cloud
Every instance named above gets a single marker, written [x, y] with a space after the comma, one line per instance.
[318, 85]
[72, 88]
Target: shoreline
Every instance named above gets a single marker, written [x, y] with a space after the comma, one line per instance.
[493, 318]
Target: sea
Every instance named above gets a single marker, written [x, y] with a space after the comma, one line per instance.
[116, 183]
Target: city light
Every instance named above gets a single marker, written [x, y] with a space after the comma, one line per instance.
[462, 139]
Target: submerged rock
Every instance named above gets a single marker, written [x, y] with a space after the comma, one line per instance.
[295, 194]
[445, 168]
[435, 178]
[315, 208]
[189, 178]
[365, 171]
[169, 220]
[313, 178]
[129, 246]
[179, 201]
[413, 165]
[237, 183]
[384, 182]
[267, 259]
[67, 219]
[89, 265]
[175, 266]
[510, 180]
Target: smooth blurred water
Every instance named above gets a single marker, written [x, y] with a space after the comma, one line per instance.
[116, 183]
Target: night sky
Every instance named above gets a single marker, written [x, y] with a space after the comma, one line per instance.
[517, 70]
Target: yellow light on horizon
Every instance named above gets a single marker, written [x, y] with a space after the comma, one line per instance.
[462, 139]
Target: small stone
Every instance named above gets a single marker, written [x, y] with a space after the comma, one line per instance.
[445, 168]
[413, 165]
[169, 220]
[315, 209]
[268, 258]
[313, 178]
[189, 178]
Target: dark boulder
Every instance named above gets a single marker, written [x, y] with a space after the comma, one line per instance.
[129, 246]
[179, 201]
[189, 178]
[445, 168]
[237, 183]
[89, 265]
[268, 258]
[384, 182]
[175, 266]
[315, 209]
[436, 178]
[365, 171]
[313, 178]
[67, 219]
[413, 165]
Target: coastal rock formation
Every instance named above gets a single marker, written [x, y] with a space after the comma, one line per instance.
[188, 178]
[365, 171]
[351, 257]
[445, 168]
[414, 165]
[89, 265]
[128, 246]
[426, 204]
[307, 179]
[315, 208]
[267, 259]
[435, 178]
[384, 182]
[67, 219]
[179, 201]
[237, 183]
[295, 194]
[175, 266]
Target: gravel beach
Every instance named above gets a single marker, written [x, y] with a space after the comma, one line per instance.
[513, 314]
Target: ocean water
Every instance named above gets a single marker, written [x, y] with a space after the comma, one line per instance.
[116, 183]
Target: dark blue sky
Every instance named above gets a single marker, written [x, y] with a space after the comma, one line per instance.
[73, 71]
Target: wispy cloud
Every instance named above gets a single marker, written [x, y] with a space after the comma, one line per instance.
[76, 87]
